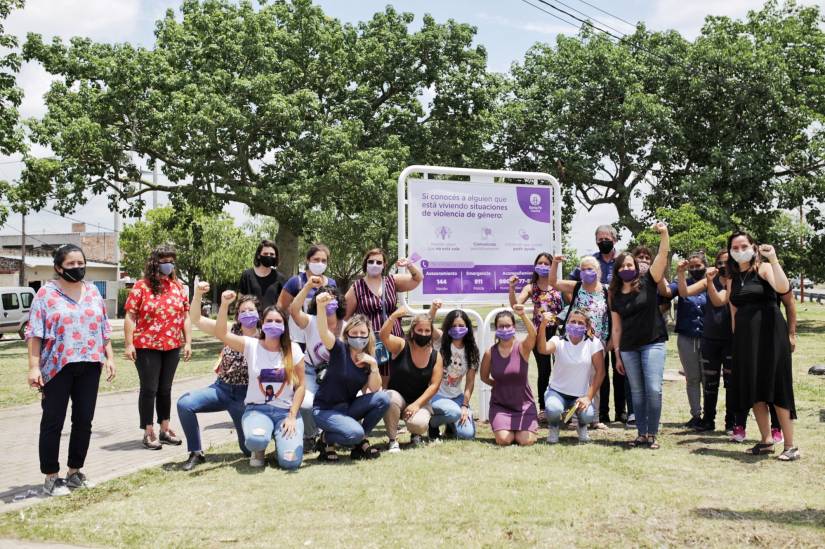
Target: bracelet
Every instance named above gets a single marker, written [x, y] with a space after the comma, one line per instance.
[374, 370]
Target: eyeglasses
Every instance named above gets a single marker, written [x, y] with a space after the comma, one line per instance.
[374, 262]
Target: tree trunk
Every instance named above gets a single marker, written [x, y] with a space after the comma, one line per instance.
[287, 242]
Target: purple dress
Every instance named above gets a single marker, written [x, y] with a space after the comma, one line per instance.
[512, 406]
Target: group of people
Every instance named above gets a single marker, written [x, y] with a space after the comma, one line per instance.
[316, 369]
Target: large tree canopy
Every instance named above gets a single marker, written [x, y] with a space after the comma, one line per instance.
[10, 97]
[726, 122]
[280, 108]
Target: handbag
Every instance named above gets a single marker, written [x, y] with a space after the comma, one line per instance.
[382, 355]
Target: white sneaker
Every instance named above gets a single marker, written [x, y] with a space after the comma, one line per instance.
[257, 459]
[553, 435]
[582, 432]
[55, 486]
[394, 447]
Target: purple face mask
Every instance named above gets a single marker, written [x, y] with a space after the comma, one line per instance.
[248, 319]
[331, 307]
[505, 334]
[458, 332]
[375, 270]
[588, 276]
[273, 330]
[576, 330]
[542, 270]
[627, 275]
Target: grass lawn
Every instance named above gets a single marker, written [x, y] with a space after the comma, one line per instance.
[14, 365]
[699, 490]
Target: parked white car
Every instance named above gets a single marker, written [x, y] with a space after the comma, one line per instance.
[15, 304]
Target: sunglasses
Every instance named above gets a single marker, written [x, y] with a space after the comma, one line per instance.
[374, 262]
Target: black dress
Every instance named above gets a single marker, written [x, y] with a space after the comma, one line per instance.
[761, 348]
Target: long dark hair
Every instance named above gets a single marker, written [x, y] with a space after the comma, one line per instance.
[151, 272]
[470, 347]
[616, 281]
[312, 309]
[733, 265]
[535, 276]
[286, 342]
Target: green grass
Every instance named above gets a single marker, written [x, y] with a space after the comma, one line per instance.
[697, 490]
[14, 365]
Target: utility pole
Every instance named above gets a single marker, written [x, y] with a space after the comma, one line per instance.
[155, 183]
[801, 248]
[117, 239]
[22, 274]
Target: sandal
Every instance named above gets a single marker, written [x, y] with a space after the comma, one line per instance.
[329, 455]
[789, 454]
[640, 440]
[364, 451]
[651, 443]
[760, 449]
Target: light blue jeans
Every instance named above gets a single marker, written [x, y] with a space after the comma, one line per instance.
[645, 368]
[349, 424]
[556, 403]
[261, 422]
[447, 411]
[217, 397]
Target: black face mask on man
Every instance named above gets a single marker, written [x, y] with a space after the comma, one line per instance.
[267, 261]
[605, 246]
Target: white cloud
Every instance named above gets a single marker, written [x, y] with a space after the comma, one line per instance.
[111, 20]
[529, 26]
[688, 17]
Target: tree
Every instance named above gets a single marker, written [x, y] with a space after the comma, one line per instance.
[208, 246]
[11, 139]
[689, 232]
[795, 243]
[281, 108]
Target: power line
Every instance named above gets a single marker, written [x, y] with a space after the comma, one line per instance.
[553, 15]
[582, 21]
[625, 21]
[591, 18]
[11, 162]
[78, 220]
[28, 235]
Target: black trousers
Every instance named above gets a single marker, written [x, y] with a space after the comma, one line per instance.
[717, 361]
[619, 395]
[156, 370]
[77, 381]
[545, 366]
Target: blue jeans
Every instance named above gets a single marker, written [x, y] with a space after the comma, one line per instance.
[311, 386]
[261, 422]
[556, 403]
[218, 397]
[348, 424]
[447, 411]
[645, 369]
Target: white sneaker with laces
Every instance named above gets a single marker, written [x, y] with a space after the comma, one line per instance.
[55, 486]
[553, 435]
[582, 432]
[394, 447]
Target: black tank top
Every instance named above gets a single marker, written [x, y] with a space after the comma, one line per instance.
[409, 380]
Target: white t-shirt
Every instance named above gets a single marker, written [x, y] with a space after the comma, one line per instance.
[573, 368]
[454, 372]
[316, 352]
[267, 374]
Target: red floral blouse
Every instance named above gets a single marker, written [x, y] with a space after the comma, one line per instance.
[159, 318]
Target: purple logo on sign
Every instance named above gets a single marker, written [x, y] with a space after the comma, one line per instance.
[535, 202]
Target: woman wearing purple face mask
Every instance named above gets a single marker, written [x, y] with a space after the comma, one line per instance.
[513, 416]
[545, 299]
[229, 389]
[317, 355]
[275, 386]
[317, 258]
[640, 333]
[577, 376]
[459, 352]
[376, 294]
[590, 294]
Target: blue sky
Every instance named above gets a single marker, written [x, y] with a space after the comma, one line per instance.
[507, 28]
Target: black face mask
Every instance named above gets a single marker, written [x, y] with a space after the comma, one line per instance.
[422, 340]
[75, 274]
[697, 274]
[723, 269]
[605, 246]
[267, 261]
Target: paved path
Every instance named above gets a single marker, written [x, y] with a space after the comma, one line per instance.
[115, 450]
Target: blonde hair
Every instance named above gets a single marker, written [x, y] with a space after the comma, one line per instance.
[423, 317]
[587, 322]
[361, 320]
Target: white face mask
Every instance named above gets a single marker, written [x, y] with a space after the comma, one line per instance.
[317, 268]
[742, 256]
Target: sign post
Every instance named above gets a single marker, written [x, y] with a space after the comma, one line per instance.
[472, 235]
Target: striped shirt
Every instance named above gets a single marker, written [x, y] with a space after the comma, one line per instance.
[370, 305]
